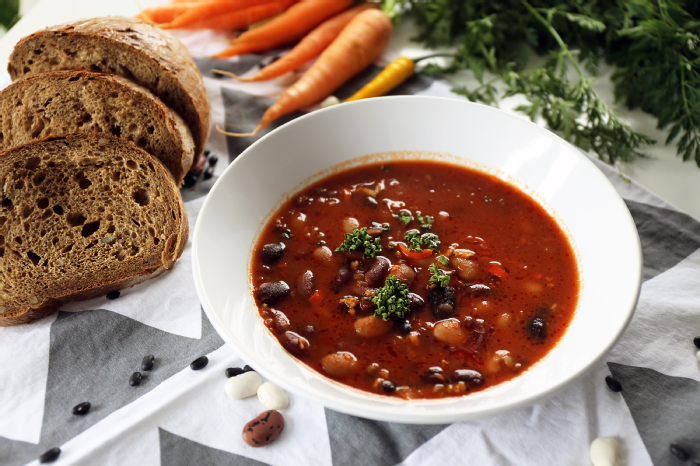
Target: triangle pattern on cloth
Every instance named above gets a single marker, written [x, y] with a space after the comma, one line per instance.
[358, 441]
[179, 451]
[92, 355]
[667, 236]
[665, 409]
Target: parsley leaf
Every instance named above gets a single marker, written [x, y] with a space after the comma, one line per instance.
[415, 240]
[426, 222]
[438, 276]
[392, 299]
[443, 260]
[287, 234]
[360, 239]
[404, 216]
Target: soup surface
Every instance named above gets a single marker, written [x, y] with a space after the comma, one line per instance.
[415, 279]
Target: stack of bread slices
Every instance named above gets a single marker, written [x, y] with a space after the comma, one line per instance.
[103, 120]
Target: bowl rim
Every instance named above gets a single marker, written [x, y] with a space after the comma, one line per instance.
[353, 408]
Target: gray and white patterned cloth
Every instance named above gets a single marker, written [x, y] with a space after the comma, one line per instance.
[178, 417]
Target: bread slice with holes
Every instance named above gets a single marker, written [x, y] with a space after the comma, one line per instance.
[63, 102]
[129, 47]
[82, 215]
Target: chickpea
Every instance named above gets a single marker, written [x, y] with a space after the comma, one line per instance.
[450, 331]
[340, 364]
[503, 321]
[298, 221]
[371, 326]
[467, 268]
[349, 224]
[323, 254]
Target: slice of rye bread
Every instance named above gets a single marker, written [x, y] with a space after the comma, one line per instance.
[82, 215]
[63, 102]
[128, 47]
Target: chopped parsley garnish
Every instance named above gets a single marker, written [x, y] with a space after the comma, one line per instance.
[287, 234]
[392, 299]
[426, 222]
[360, 239]
[321, 243]
[438, 276]
[415, 240]
[386, 168]
[404, 216]
[386, 227]
[443, 260]
[487, 199]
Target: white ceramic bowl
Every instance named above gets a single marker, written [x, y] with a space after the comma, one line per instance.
[555, 173]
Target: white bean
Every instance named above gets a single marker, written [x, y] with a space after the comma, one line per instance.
[272, 396]
[323, 254]
[404, 273]
[371, 326]
[340, 364]
[349, 224]
[605, 451]
[467, 269]
[243, 386]
[450, 331]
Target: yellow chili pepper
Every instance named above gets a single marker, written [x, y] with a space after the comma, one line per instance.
[390, 77]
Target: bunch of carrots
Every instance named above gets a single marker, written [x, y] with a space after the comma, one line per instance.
[343, 39]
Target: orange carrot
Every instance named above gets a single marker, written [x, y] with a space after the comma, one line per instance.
[212, 9]
[294, 24]
[241, 19]
[358, 45]
[309, 48]
[165, 13]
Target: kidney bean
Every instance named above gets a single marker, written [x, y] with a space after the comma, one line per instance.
[281, 321]
[416, 301]
[468, 376]
[271, 253]
[377, 272]
[264, 429]
[342, 276]
[340, 364]
[295, 343]
[271, 292]
[305, 284]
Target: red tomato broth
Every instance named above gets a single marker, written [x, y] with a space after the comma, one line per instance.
[533, 274]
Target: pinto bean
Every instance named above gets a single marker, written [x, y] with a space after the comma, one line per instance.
[340, 364]
[450, 331]
[371, 326]
[404, 273]
[377, 272]
[305, 284]
[342, 276]
[272, 292]
[295, 343]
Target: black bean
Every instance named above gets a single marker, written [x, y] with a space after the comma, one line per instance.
[377, 272]
[208, 173]
[189, 181]
[199, 363]
[213, 160]
[679, 451]
[247, 368]
[271, 292]
[442, 300]
[233, 371]
[416, 301]
[468, 376]
[342, 276]
[49, 456]
[538, 328]
[81, 408]
[113, 295]
[403, 326]
[434, 375]
[388, 387]
[613, 384]
[696, 340]
[207, 152]
[135, 379]
[147, 362]
[271, 253]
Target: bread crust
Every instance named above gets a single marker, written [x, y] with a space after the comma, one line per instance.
[73, 90]
[95, 286]
[164, 65]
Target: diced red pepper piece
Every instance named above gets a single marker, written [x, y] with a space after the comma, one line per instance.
[414, 255]
[316, 298]
[498, 271]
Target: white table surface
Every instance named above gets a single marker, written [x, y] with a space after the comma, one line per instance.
[662, 172]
